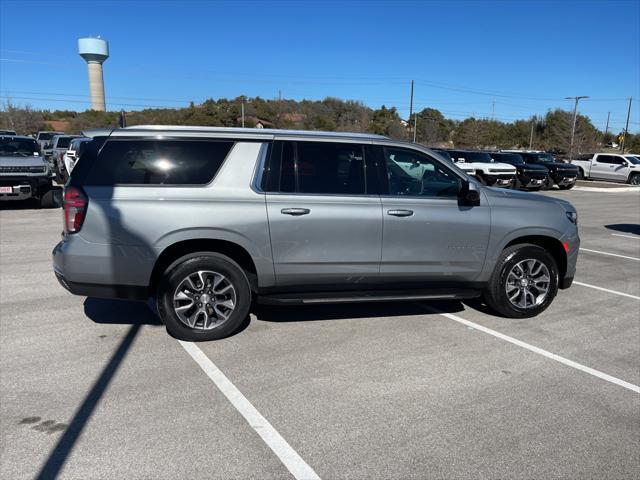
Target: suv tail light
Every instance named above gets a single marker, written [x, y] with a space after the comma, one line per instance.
[75, 207]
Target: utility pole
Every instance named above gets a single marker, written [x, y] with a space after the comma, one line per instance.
[575, 116]
[411, 108]
[279, 95]
[533, 122]
[493, 109]
[606, 129]
[626, 127]
[415, 126]
[242, 109]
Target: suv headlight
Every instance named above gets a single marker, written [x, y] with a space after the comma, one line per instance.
[573, 217]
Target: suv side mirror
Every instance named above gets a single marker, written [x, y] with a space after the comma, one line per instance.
[468, 194]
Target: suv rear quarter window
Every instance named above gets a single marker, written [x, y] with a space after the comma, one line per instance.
[158, 162]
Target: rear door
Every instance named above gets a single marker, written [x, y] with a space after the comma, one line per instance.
[325, 217]
[427, 235]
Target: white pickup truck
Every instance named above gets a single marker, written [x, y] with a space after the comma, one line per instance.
[610, 166]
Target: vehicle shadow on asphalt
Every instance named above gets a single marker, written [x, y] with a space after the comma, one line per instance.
[341, 311]
[120, 312]
[58, 456]
[633, 228]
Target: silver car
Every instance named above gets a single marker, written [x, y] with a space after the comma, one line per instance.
[210, 220]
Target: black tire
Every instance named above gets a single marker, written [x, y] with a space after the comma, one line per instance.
[580, 174]
[634, 179]
[179, 271]
[496, 296]
[566, 187]
[547, 184]
[47, 199]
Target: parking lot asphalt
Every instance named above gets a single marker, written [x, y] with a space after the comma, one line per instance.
[95, 388]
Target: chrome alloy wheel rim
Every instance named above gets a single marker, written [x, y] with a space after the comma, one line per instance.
[528, 284]
[204, 300]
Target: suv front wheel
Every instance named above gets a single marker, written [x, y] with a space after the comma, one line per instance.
[204, 297]
[524, 282]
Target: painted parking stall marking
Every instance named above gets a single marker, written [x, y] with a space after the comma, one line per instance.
[602, 289]
[635, 237]
[287, 455]
[609, 254]
[540, 351]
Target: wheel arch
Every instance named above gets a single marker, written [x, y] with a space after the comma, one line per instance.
[550, 244]
[176, 251]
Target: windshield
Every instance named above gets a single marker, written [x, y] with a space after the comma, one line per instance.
[444, 155]
[63, 142]
[539, 157]
[45, 136]
[18, 147]
[510, 158]
[633, 159]
[479, 157]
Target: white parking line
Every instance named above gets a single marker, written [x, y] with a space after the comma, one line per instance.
[287, 455]
[606, 290]
[609, 254]
[635, 237]
[540, 351]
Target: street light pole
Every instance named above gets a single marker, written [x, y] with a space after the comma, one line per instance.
[575, 116]
[533, 122]
[242, 109]
[626, 127]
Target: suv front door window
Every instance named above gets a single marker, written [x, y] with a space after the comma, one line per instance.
[427, 234]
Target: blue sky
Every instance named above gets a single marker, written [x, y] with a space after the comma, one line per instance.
[464, 56]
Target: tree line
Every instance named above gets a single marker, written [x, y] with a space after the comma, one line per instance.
[551, 132]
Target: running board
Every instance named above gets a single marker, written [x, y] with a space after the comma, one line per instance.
[366, 296]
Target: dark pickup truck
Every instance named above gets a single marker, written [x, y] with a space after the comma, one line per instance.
[562, 174]
[529, 176]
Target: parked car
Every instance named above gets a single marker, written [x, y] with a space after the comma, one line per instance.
[562, 174]
[24, 173]
[208, 220]
[487, 171]
[8, 132]
[71, 156]
[55, 151]
[610, 166]
[465, 167]
[44, 137]
[529, 176]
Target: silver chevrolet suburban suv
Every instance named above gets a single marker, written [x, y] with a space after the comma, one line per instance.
[210, 220]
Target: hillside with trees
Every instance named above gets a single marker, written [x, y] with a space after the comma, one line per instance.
[551, 132]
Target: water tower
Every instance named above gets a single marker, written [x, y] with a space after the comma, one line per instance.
[95, 51]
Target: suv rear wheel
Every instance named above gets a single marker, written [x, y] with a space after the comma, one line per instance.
[524, 282]
[204, 297]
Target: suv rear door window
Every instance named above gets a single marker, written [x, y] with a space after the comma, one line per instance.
[316, 168]
[158, 162]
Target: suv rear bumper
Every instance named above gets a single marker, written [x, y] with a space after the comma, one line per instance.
[89, 269]
[125, 292]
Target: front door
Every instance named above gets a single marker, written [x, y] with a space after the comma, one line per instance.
[427, 235]
[325, 228]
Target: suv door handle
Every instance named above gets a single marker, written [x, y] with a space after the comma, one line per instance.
[296, 212]
[400, 213]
